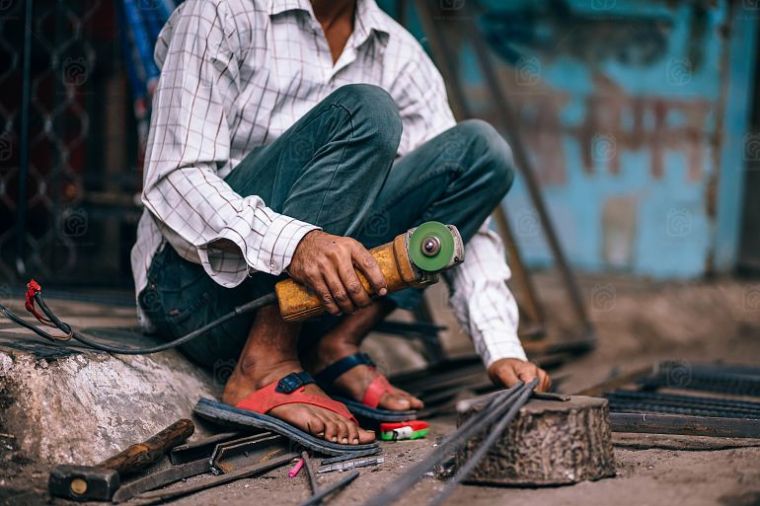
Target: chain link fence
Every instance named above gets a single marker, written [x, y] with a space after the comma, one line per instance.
[68, 147]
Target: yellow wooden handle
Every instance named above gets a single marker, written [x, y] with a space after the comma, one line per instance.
[299, 303]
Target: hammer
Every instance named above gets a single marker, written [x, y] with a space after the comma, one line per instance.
[99, 482]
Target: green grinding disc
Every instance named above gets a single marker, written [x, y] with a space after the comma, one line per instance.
[445, 247]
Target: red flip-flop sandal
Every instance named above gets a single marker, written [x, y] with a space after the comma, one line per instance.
[252, 412]
[367, 408]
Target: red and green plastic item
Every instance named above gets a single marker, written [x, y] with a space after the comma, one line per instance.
[400, 431]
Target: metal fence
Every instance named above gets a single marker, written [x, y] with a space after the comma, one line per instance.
[68, 150]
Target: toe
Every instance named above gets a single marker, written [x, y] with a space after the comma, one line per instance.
[395, 402]
[331, 431]
[366, 436]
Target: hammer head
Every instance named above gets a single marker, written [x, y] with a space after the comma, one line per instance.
[83, 483]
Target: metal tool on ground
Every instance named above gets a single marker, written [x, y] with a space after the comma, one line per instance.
[348, 465]
[413, 258]
[222, 453]
[318, 497]
[244, 472]
[637, 405]
[99, 482]
[497, 407]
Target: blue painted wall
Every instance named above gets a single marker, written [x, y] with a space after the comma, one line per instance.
[636, 118]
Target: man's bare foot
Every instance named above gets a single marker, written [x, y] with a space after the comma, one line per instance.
[247, 377]
[343, 341]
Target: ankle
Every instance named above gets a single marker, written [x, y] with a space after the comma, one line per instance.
[259, 373]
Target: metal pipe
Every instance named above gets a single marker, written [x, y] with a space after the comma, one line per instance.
[23, 170]
[509, 122]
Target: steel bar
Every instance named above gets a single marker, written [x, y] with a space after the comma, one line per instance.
[510, 121]
[531, 306]
[458, 101]
[23, 169]
[330, 489]
[310, 474]
[641, 407]
[496, 407]
[729, 383]
[495, 432]
[202, 448]
[685, 400]
[656, 423]
[245, 472]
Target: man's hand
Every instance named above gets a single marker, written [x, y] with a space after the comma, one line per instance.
[325, 263]
[508, 371]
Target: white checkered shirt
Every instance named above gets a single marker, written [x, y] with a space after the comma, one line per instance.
[235, 74]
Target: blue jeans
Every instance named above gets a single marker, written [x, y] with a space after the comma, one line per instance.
[336, 168]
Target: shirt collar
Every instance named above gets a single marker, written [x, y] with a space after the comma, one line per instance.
[368, 18]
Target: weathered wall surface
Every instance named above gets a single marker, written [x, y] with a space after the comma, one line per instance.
[635, 114]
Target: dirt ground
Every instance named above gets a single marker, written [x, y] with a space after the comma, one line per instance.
[638, 323]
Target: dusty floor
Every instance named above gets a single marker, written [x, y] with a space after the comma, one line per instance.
[637, 323]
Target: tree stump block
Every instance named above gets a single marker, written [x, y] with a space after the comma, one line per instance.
[550, 442]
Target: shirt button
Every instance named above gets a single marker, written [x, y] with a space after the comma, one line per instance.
[272, 266]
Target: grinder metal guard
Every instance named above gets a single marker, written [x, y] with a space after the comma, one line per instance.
[412, 259]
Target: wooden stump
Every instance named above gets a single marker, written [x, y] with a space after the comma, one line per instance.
[550, 442]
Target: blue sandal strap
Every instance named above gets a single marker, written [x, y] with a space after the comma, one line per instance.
[328, 375]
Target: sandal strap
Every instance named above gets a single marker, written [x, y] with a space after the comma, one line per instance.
[376, 390]
[290, 390]
[329, 374]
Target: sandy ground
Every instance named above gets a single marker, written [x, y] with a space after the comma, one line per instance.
[638, 323]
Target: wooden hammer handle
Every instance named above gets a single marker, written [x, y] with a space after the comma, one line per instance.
[140, 455]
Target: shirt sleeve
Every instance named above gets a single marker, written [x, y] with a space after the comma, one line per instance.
[482, 301]
[480, 297]
[189, 142]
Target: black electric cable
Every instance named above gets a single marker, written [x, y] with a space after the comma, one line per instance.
[71, 333]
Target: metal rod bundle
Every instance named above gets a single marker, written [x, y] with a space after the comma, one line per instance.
[501, 410]
[632, 401]
[710, 378]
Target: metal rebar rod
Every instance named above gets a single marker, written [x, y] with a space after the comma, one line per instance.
[685, 400]
[495, 432]
[23, 169]
[331, 488]
[656, 423]
[617, 407]
[509, 121]
[497, 406]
